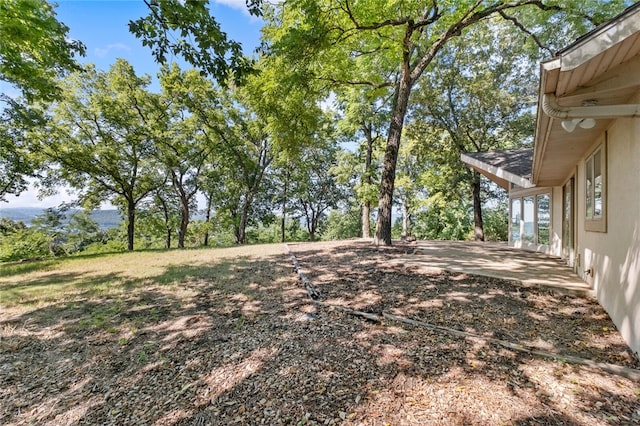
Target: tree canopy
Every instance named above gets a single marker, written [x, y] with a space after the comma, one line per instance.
[36, 49]
[345, 105]
[379, 44]
[186, 29]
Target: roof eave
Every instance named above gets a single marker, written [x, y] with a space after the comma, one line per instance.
[497, 174]
[573, 56]
[600, 39]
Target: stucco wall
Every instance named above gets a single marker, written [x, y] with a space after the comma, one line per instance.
[555, 248]
[614, 256]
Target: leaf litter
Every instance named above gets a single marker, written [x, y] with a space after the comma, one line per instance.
[248, 346]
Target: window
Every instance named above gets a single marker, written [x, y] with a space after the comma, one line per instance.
[595, 190]
[515, 219]
[544, 218]
[531, 219]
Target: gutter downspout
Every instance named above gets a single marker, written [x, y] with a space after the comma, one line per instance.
[552, 109]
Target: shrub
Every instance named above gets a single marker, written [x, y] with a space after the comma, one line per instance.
[24, 244]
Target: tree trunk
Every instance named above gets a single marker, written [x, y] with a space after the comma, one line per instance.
[313, 226]
[208, 219]
[184, 221]
[385, 204]
[241, 234]
[366, 206]
[131, 218]
[366, 220]
[283, 219]
[477, 208]
[167, 227]
[406, 220]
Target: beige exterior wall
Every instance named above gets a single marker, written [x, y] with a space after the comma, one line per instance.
[614, 256]
[555, 248]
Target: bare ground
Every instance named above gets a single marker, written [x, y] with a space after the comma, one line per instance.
[240, 342]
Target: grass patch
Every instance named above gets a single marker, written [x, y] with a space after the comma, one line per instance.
[16, 268]
[115, 297]
[114, 275]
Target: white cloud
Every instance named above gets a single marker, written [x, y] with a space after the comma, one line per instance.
[234, 4]
[30, 198]
[241, 5]
[103, 52]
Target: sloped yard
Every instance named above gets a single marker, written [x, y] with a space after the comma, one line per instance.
[231, 337]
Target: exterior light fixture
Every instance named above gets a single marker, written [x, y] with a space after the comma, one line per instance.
[584, 123]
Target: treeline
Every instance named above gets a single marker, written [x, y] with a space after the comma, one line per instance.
[345, 115]
[50, 236]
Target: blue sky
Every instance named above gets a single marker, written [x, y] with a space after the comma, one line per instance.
[103, 27]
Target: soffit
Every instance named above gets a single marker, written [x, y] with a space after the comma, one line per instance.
[580, 77]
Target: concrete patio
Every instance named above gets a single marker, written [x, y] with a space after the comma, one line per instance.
[496, 260]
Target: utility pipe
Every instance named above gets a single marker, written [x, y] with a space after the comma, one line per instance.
[552, 109]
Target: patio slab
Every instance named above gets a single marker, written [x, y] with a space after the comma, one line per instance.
[497, 260]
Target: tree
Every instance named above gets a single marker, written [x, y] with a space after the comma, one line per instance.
[184, 149]
[410, 183]
[363, 117]
[480, 93]
[17, 160]
[328, 39]
[290, 111]
[160, 213]
[313, 184]
[50, 223]
[36, 49]
[186, 29]
[442, 209]
[34, 52]
[101, 139]
[241, 149]
[82, 231]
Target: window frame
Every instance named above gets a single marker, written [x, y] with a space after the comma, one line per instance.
[592, 221]
[517, 233]
[548, 220]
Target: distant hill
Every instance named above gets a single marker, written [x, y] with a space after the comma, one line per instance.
[104, 218]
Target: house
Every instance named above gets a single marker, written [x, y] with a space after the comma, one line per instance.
[574, 195]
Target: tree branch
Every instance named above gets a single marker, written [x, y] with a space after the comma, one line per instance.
[522, 28]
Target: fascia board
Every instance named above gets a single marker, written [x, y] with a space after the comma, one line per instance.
[497, 171]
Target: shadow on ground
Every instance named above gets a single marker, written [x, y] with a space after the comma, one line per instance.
[237, 341]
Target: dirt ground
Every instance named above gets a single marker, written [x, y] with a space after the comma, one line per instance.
[240, 342]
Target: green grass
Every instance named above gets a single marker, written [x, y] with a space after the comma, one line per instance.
[121, 294]
[41, 282]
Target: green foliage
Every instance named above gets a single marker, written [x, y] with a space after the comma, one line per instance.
[443, 219]
[8, 226]
[102, 138]
[341, 225]
[35, 48]
[114, 241]
[382, 44]
[18, 160]
[53, 233]
[314, 188]
[24, 243]
[82, 232]
[186, 29]
[496, 223]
